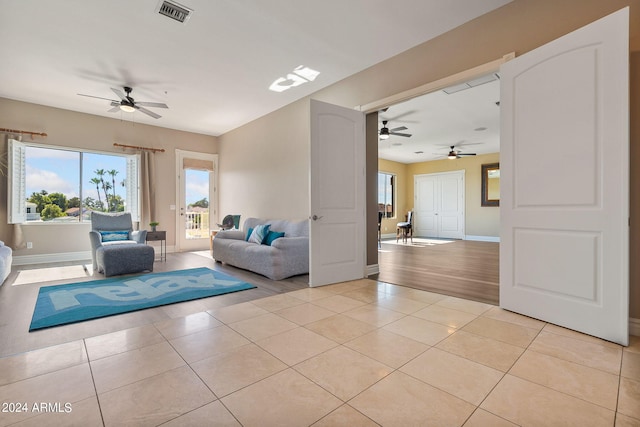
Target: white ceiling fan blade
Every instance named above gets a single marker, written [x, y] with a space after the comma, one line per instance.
[152, 104]
[119, 93]
[147, 112]
[97, 97]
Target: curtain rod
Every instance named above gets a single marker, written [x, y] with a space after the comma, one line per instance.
[22, 132]
[161, 150]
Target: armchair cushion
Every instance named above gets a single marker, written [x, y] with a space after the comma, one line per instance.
[112, 236]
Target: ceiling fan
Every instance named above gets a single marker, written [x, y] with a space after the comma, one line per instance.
[453, 154]
[128, 104]
[385, 132]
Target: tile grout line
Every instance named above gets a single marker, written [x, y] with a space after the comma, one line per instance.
[93, 380]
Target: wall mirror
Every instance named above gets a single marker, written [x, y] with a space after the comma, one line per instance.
[491, 184]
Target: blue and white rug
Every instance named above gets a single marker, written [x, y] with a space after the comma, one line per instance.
[75, 302]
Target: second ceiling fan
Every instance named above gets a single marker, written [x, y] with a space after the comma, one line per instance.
[453, 154]
[385, 132]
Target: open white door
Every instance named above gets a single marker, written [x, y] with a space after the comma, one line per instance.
[564, 207]
[337, 223]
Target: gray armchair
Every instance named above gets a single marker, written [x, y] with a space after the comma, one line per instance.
[116, 248]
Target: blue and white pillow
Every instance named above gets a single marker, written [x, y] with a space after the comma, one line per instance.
[259, 233]
[114, 236]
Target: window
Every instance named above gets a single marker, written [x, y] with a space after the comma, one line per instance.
[66, 185]
[386, 194]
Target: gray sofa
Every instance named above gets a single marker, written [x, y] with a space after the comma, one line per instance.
[286, 256]
[6, 257]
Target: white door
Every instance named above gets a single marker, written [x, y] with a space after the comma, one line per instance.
[196, 196]
[425, 211]
[337, 220]
[451, 215]
[564, 211]
[439, 205]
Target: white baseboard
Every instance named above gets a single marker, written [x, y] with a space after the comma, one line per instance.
[634, 327]
[47, 258]
[372, 269]
[483, 238]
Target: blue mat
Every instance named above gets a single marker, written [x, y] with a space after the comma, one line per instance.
[75, 302]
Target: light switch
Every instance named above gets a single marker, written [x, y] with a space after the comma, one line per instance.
[172, 207]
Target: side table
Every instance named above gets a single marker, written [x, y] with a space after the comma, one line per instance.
[159, 236]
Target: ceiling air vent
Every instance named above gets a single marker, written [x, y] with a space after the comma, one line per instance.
[174, 11]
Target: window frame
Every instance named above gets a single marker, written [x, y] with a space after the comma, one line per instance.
[394, 191]
[16, 188]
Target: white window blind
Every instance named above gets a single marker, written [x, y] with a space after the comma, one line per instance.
[17, 206]
[133, 187]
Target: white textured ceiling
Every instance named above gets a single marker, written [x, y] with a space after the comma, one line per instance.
[215, 70]
[469, 120]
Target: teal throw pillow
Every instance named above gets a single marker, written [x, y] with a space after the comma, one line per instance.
[259, 233]
[271, 236]
[249, 233]
[114, 236]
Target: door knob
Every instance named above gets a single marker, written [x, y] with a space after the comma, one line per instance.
[316, 217]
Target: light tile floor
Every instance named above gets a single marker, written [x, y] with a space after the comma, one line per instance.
[360, 353]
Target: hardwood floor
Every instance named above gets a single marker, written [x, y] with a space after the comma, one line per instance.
[460, 268]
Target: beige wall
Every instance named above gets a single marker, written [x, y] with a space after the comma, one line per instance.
[283, 136]
[264, 166]
[77, 130]
[480, 220]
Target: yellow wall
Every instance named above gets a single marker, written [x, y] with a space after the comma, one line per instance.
[76, 130]
[480, 220]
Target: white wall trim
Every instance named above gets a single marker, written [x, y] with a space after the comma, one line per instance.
[634, 327]
[47, 258]
[483, 238]
[372, 269]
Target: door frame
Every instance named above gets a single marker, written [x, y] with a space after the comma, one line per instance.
[461, 173]
[213, 193]
[457, 78]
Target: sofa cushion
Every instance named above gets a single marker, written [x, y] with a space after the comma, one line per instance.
[271, 236]
[259, 233]
[297, 228]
